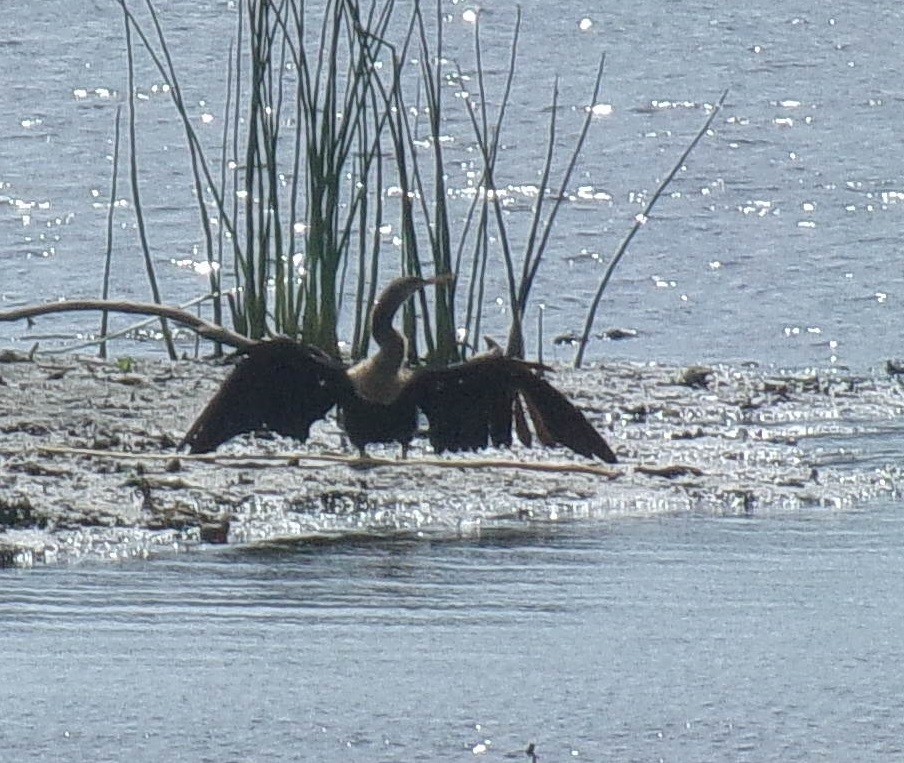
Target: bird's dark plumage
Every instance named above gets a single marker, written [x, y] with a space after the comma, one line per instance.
[280, 385]
[284, 386]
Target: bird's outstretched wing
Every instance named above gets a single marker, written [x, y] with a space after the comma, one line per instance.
[558, 421]
[473, 404]
[281, 385]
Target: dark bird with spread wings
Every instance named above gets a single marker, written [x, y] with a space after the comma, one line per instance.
[284, 387]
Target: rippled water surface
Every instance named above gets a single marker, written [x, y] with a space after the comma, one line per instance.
[773, 637]
[778, 244]
[678, 639]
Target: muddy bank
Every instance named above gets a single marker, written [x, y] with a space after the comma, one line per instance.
[89, 468]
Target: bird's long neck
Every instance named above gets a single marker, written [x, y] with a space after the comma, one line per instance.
[380, 378]
[391, 354]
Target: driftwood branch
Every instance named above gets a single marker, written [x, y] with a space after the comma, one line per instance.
[356, 462]
[204, 328]
[301, 460]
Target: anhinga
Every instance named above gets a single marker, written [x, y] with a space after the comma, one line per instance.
[284, 386]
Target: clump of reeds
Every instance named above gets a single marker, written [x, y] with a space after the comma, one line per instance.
[317, 125]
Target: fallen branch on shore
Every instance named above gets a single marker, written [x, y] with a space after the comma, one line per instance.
[310, 460]
[205, 328]
[355, 462]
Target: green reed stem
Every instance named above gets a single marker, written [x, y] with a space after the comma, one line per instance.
[136, 195]
[108, 254]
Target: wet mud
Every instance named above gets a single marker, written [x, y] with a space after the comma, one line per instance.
[89, 467]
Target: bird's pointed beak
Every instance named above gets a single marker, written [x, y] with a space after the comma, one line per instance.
[440, 280]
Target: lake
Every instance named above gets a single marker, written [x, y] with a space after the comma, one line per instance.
[686, 638]
[681, 636]
[775, 245]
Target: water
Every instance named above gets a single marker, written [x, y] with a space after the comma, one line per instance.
[679, 639]
[777, 244]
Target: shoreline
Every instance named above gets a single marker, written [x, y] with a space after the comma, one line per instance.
[90, 471]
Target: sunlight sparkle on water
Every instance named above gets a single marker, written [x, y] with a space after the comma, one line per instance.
[585, 24]
[673, 104]
[757, 207]
[395, 192]
[103, 93]
[202, 267]
[527, 190]
[589, 193]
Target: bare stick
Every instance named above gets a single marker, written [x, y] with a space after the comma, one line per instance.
[368, 462]
[204, 328]
[125, 330]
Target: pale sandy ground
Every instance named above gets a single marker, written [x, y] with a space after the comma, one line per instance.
[717, 441]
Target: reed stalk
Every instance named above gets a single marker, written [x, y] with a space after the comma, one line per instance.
[195, 152]
[136, 196]
[536, 248]
[490, 138]
[203, 177]
[445, 350]
[215, 262]
[340, 126]
[639, 221]
[519, 286]
[108, 254]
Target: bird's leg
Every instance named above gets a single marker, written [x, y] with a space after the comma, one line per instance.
[404, 451]
[363, 461]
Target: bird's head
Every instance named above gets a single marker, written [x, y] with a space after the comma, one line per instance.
[400, 289]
